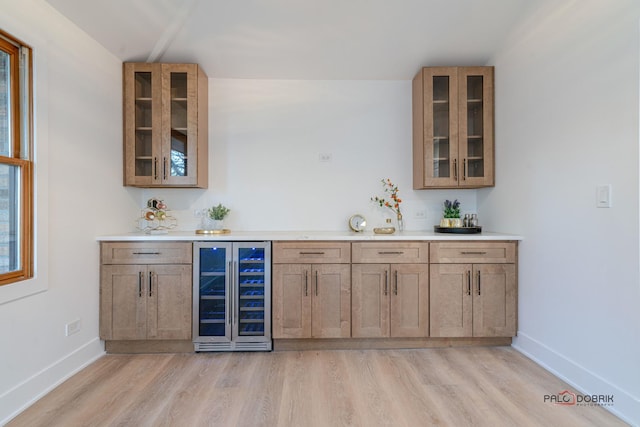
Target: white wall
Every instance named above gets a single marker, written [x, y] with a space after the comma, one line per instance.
[265, 140]
[567, 121]
[79, 196]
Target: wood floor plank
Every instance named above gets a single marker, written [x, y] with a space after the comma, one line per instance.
[473, 386]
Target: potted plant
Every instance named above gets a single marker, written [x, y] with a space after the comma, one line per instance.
[217, 214]
[451, 214]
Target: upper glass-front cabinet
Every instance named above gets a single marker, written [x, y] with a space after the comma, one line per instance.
[165, 117]
[453, 127]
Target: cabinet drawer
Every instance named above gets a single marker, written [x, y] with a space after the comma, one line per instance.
[311, 252]
[146, 253]
[473, 252]
[387, 252]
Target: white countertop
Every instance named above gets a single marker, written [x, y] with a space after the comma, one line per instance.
[305, 235]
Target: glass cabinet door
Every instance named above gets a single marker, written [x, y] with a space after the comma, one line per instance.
[179, 124]
[441, 127]
[476, 126]
[143, 105]
[212, 313]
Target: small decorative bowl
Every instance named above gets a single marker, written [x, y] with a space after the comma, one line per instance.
[384, 230]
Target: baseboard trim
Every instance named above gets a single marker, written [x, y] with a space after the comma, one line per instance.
[626, 406]
[382, 343]
[20, 397]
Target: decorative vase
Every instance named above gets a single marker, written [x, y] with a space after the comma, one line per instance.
[218, 224]
[400, 222]
[444, 222]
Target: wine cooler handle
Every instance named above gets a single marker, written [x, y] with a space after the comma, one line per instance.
[233, 294]
[229, 309]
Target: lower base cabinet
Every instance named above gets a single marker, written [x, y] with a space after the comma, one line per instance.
[474, 299]
[311, 301]
[151, 301]
[390, 300]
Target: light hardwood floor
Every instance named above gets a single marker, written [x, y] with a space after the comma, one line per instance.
[479, 386]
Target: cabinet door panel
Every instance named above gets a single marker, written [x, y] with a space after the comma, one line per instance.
[494, 300]
[476, 126]
[410, 300]
[179, 124]
[439, 133]
[370, 300]
[331, 309]
[123, 302]
[451, 308]
[142, 124]
[170, 301]
[291, 302]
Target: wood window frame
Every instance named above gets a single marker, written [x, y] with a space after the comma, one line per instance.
[21, 81]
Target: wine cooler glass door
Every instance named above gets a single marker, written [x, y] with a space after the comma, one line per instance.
[212, 314]
[252, 277]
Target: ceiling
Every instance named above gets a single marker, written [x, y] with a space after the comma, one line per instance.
[300, 39]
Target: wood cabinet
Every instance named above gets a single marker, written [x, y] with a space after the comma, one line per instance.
[145, 291]
[453, 127]
[390, 292]
[311, 290]
[473, 289]
[165, 125]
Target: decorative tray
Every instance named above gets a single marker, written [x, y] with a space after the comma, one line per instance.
[223, 231]
[457, 230]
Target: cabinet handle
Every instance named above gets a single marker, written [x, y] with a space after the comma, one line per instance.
[316, 282]
[473, 253]
[468, 282]
[164, 168]
[464, 169]
[386, 280]
[395, 285]
[478, 282]
[455, 169]
[140, 279]
[311, 253]
[146, 253]
[390, 252]
[306, 283]
[150, 283]
[155, 168]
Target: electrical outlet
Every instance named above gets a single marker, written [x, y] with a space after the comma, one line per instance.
[325, 157]
[72, 327]
[421, 214]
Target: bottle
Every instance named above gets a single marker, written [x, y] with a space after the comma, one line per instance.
[474, 221]
[467, 220]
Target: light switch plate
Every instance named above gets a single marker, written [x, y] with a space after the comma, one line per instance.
[603, 196]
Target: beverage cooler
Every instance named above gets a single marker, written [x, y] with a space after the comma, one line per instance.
[232, 296]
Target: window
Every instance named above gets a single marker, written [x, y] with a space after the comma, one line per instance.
[16, 168]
